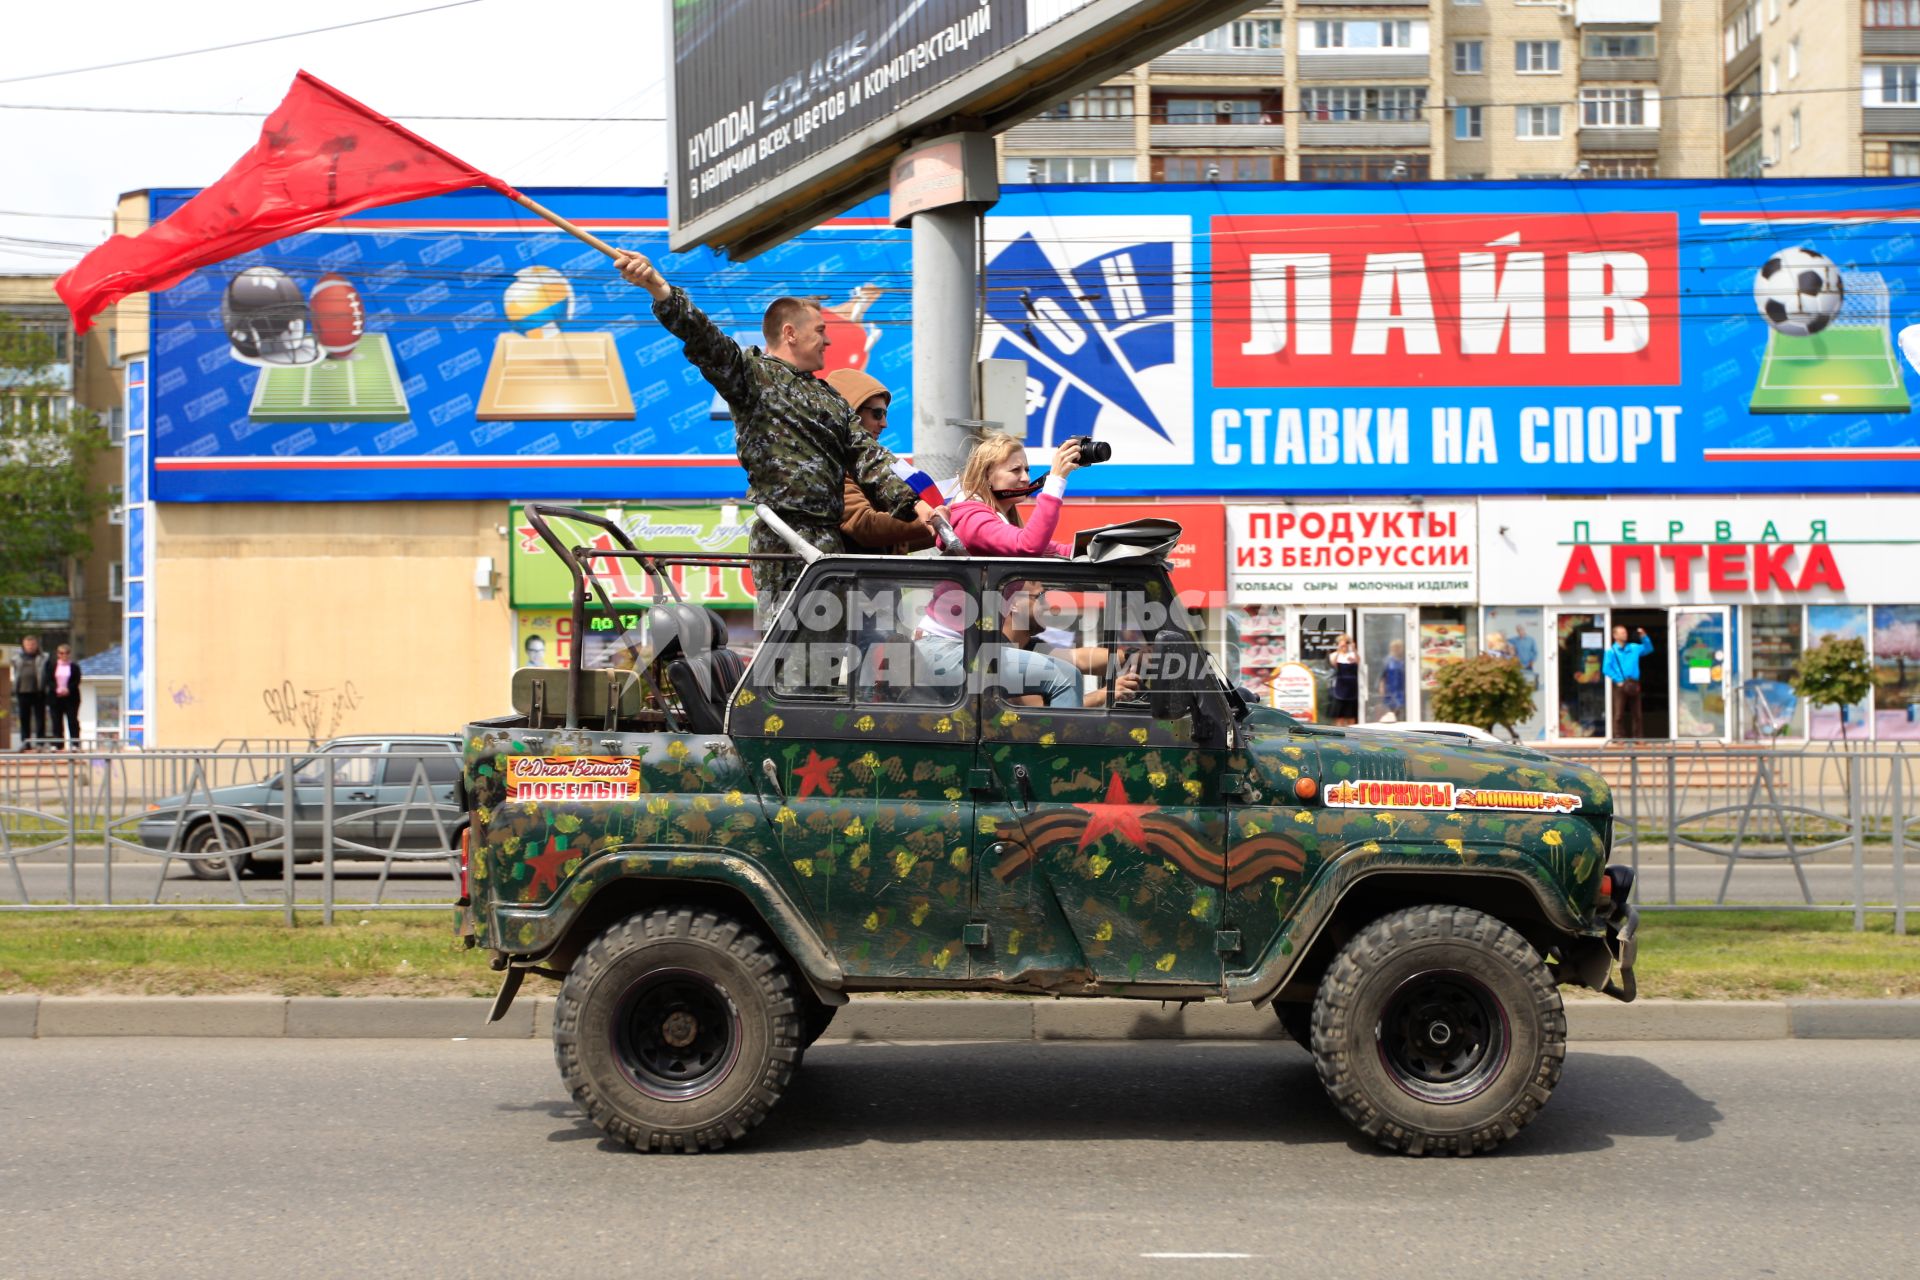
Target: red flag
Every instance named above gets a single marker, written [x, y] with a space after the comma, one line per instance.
[321, 156]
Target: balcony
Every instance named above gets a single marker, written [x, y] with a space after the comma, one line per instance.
[1642, 69]
[1748, 126]
[1218, 135]
[1363, 66]
[1269, 64]
[1364, 133]
[1057, 136]
[1743, 64]
[1365, 4]
[1620, 139]
[1900, 40]
[1890, 119]
[1616, 11]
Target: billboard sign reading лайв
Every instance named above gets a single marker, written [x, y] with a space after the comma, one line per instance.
[1655, 337]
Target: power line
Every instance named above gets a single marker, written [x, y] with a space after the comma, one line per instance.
[238, 44]
[397, 115]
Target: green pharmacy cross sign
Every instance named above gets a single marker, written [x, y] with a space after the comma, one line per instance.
[538, 579]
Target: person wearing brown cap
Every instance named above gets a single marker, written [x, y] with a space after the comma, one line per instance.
[864, 528]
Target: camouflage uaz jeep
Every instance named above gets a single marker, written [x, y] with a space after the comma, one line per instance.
[710, 856]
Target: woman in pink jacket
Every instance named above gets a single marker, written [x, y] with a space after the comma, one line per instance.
[986, 515]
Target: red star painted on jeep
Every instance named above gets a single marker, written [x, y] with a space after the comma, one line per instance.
[815, 775]
[1115, 814]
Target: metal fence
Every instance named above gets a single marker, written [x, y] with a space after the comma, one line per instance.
[1706, 827]
[1839, 820]
[213, 830]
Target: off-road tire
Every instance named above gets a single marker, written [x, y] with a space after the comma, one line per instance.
[1405, 975]
[1296, 1020]
[205, 838]
[619, 1016]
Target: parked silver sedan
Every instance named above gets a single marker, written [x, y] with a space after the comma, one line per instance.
[386, 795]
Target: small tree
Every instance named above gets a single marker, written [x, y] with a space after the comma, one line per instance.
[1484, 692]
[46, 498]
[1834, 673]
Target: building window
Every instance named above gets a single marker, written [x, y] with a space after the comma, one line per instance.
[1620, 44]
[1190, 168]
[1793, 59]
[1212, 111]
[1623, 166]
[1106, 103]
[1616, 109]
[1069, 169]
[1744, 99]
[116, 421]
[1536, 122]
[117, 581]
[1536, 57]
[1778, 150]
[1246, 35]
[1467, 57]
[1741, 30]
[1386, 168]
[1903, 159]
[1893, 13]
[1773, 76]
[1326, 35]
[1469, 124]
[1536, 175]
[1745, 163]
[1254, 34]
[1793, 132]
[1890, 84]
[116, 505]
[1343, 103]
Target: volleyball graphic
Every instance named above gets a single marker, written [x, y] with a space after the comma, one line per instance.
[539, 300]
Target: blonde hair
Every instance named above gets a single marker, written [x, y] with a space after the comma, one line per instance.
[988, 454]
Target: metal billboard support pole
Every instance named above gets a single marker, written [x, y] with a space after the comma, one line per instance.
[945, 283]
[942, 187]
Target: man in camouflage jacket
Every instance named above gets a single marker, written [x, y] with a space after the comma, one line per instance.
[798, 440]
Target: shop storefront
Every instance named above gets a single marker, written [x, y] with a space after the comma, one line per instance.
[1730, 592]
[1400, 578]
[540, 588]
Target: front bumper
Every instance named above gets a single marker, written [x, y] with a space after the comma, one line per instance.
[1623, 943]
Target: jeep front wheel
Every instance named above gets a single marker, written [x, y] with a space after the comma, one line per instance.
[677, 1030]
[1438, 1030]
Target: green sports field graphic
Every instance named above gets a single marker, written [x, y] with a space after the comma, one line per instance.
[363, 388]
[1848, 368]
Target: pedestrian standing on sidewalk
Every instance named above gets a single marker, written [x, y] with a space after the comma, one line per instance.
[1621, 667]
[1345, 694]
[797, 439]
[63, 698]
[30, 677]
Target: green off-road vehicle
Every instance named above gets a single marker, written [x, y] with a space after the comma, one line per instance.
[711, 855]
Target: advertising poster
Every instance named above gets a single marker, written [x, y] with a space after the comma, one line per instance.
[1374, 339]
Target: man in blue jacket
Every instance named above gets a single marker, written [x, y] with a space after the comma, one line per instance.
[1621, 667]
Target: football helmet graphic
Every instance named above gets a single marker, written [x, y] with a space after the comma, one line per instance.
[267, 319]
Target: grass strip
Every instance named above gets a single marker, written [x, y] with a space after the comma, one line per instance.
[1745, 955]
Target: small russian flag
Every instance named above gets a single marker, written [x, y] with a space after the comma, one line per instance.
[920, 482]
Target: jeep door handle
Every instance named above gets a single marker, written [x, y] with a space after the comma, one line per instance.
[1023, 779]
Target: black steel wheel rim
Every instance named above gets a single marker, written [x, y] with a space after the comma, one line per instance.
[675, 1034]
[1443, 1037]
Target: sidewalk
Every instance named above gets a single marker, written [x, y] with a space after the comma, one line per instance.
[879, 1018]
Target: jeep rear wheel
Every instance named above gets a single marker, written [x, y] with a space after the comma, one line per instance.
[1438, 1030]
[677, 1030]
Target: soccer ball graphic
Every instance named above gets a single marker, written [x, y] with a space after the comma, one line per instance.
[1799, 291]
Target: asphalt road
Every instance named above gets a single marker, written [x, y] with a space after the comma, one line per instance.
[269, 1157]
[134, 881]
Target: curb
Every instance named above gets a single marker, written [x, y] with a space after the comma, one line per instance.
[881, 1019]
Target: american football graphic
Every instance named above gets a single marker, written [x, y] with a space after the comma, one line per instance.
[339, 316]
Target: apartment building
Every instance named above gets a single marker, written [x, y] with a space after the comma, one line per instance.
[1358, 90]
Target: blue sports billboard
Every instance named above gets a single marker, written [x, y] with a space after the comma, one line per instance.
[1241, 339]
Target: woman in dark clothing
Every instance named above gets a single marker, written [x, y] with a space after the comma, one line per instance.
[63, 697]
[1346, 681]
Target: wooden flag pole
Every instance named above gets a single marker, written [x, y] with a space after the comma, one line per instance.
[534, 207]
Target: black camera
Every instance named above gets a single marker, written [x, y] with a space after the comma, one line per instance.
[1091, 450]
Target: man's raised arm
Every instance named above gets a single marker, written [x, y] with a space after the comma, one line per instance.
[717, 356]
